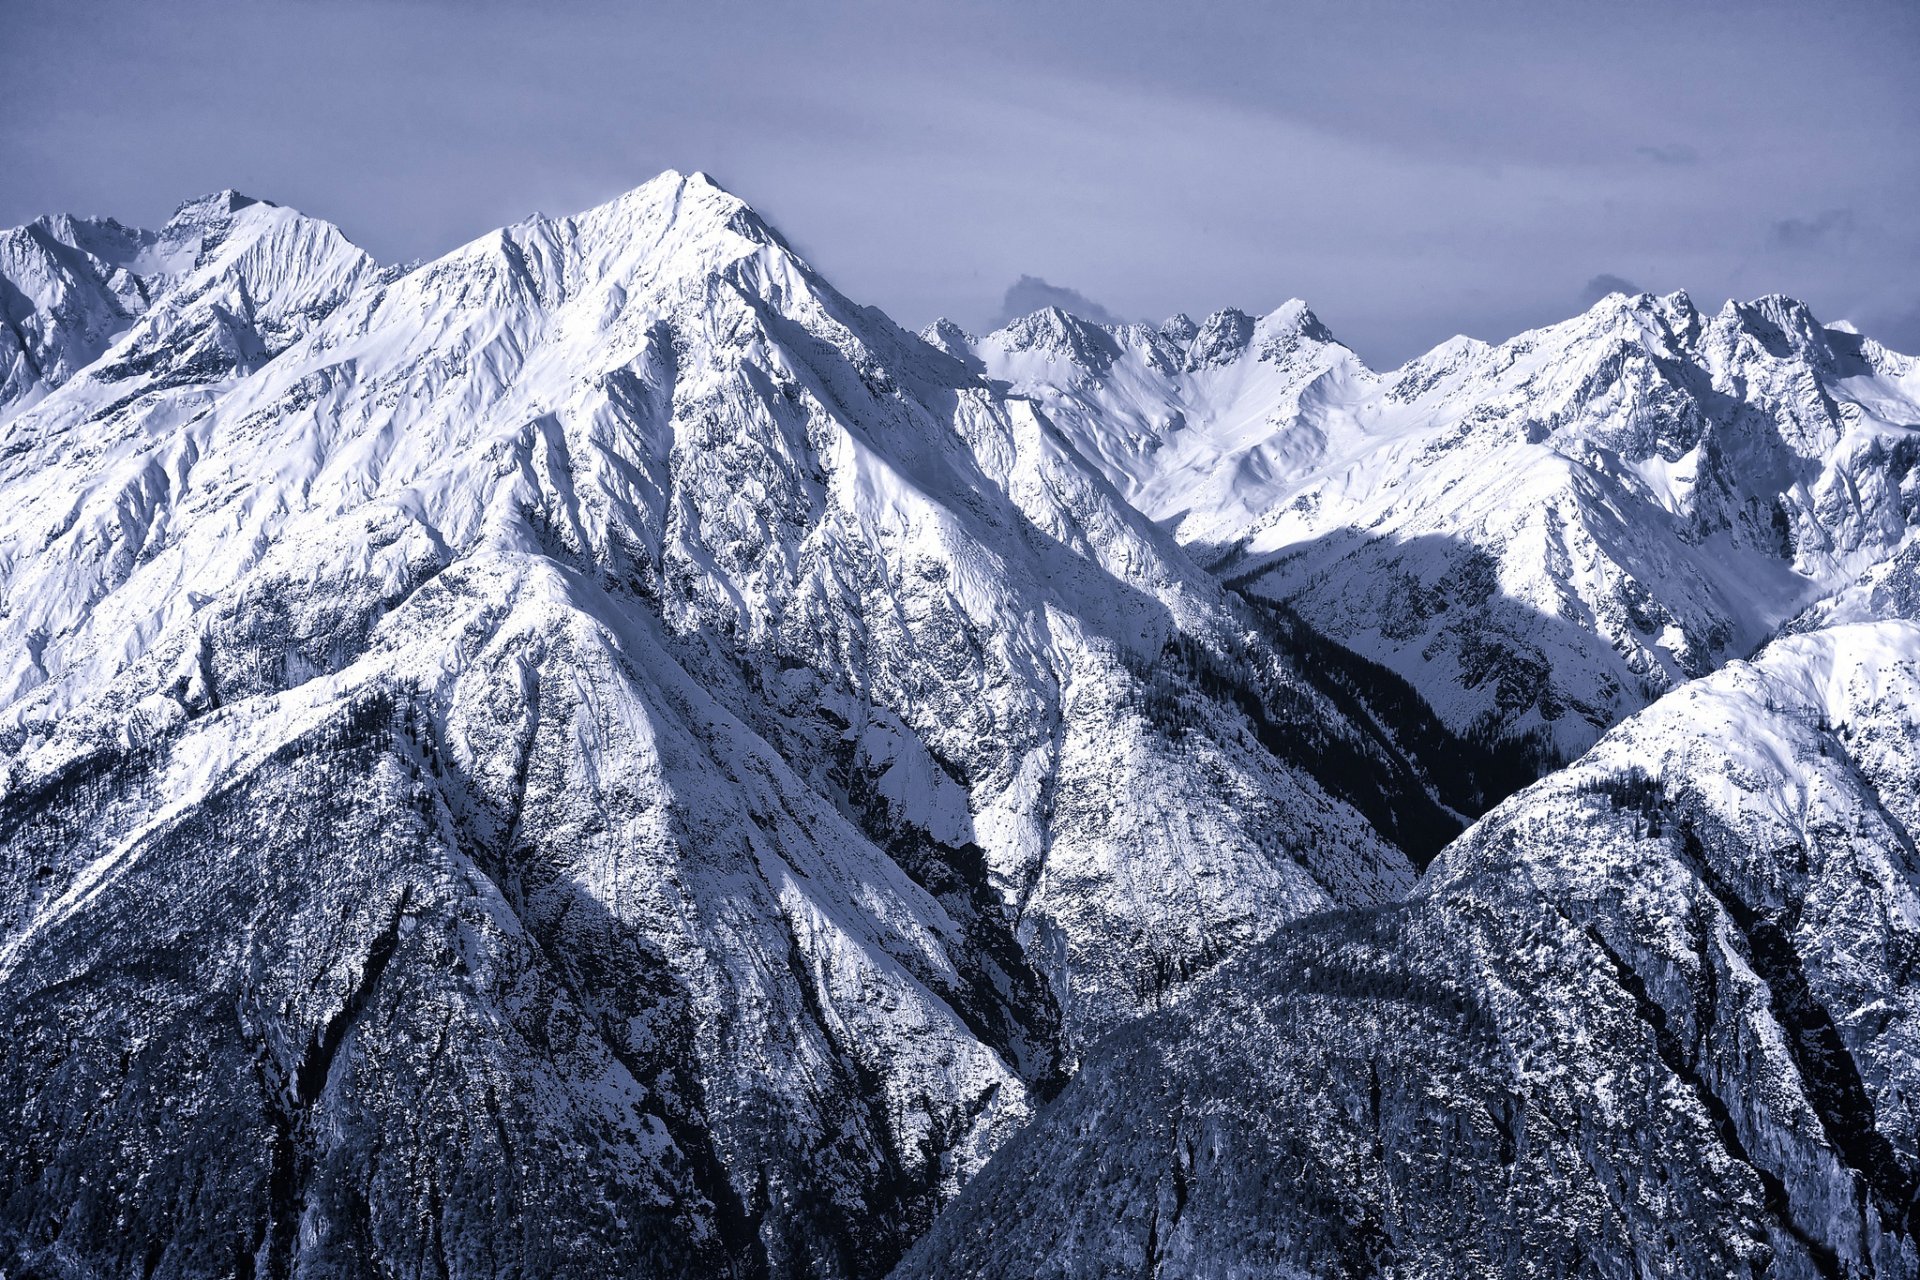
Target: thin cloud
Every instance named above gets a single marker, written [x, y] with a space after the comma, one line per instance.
[1812, 233]
[1671, 153]
[1603, 284]
[1029, 294]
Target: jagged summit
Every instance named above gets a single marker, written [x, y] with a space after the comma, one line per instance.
[1053, 333]
[1295, 314]
[946, 336]
[1223, 335]
[1173, 416]
[94, 295]
[1671, 317]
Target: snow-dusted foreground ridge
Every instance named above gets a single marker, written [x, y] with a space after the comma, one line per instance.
[594, 754]
[1657, 1015]
[1542, 535]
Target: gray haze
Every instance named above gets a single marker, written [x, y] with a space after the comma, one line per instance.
[1413, 170]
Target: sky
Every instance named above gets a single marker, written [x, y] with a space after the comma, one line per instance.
[1413, 170]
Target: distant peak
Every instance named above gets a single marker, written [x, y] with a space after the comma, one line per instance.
[1643, 300]
[218, 205]
[1220, 339]
[1179, 327]
[1226, 317]
[1780, 323]
[1054, 332]
[1619, 300]
[1296, 316]
[1049, 320]
[946, 334]
[103, 238]
[1782, 309]
[1666, 318]
[1424, 371]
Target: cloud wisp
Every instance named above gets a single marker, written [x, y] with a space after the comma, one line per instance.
[1029, 294]
[1606, 283]
[1819, 231]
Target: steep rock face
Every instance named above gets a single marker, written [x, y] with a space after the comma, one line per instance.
[747, 756]
[1655, 1015]
[1544, 535]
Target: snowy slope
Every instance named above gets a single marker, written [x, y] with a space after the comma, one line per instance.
[1186, 419]
[1657, 1015]
[598, 751]
[1542, 535]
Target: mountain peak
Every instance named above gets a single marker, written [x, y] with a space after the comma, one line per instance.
[1295, 318]
[701, 178]
[1783, 326]
[1057, 333]
[1662, 320]
[943, 334]
[1295, 314]
[1221, 338]
[1644, 302]
[1777, 309]
[1179, 327]
[692, 204]
[219, 204]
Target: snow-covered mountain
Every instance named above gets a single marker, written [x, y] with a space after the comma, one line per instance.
[245, 278]
[594, 753]
[597, 754]
[1657, 1015]
[1541, 536]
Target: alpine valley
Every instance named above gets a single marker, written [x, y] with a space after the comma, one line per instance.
[597, 755]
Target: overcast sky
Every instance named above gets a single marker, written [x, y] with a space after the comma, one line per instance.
[1412, 169]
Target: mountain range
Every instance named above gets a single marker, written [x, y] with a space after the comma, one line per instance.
[597, 753]
[1542, 536]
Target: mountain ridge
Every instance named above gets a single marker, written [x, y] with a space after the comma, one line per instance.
[1541, 466]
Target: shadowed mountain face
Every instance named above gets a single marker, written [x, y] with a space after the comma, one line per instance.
[597, 753]
[1666, 486]
[1658, 1014]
